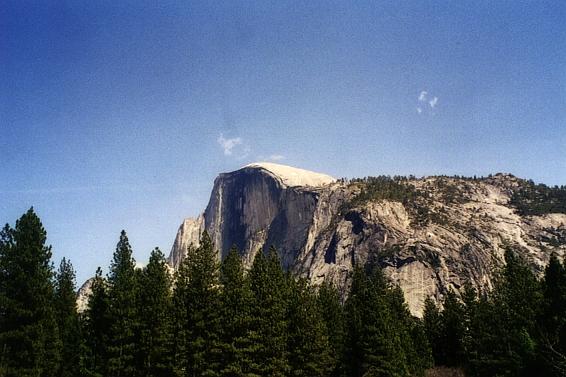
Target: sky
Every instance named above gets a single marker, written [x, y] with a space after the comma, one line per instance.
[119, 115]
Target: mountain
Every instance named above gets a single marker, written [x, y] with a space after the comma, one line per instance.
[429, 234]
[83, 295]
[259, 205]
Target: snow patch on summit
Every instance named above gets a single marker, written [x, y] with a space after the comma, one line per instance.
[291, 176]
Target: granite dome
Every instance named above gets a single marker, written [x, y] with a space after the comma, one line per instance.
[290, 176]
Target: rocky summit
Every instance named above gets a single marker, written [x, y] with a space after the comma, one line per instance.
[430, 234]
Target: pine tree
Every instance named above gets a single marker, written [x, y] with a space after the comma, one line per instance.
[353, 309]
[452, 341]
[519, 291]
[333, 316]
[420, 359]
[518, 299]
[484, 352]
[123, 316]
[470, 302]
[269, 310]
[236, 299]
[154, 308]
[197, 292]
[307, 342]
[68, 320]
[29, 335]
[505, 325]
[415, 350]
[179, 324]
[553, 318]
[97, 328]
[432, 323]
[374, 347]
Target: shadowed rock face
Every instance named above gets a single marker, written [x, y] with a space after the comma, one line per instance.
[320, 234]
[252, 209]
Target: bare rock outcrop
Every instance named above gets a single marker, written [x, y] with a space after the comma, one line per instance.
[453, 232]
[83, 295]
[255, 207]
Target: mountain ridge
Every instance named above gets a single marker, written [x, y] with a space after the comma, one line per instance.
[430, 234]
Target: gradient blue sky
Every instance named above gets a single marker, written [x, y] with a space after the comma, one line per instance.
[119, 116]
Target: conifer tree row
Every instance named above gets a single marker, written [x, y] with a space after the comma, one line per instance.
[381, 339]
[214, 318]
[197, 307]
[516, 329]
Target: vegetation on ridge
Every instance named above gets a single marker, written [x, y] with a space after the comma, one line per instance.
[526, 197]
[397, 189]
[539, 199]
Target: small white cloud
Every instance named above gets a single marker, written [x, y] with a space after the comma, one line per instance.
[426, 103]
[276, 157]
[433, 102]
[229, 144]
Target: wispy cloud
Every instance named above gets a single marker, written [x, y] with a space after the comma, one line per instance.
[433, 102]
[228, 144]
[426, 101]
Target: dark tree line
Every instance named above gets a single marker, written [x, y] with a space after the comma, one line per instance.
[516, 329]
[214, 318]
[538, 199]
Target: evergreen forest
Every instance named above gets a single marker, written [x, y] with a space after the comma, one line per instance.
[212, 318]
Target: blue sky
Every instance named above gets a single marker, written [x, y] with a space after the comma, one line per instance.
[119, 116]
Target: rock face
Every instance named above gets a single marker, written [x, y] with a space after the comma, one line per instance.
[454, 232]
[189, 232]
[83, 295]
[255, 207]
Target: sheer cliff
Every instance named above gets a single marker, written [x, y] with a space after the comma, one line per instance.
[429, 234]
